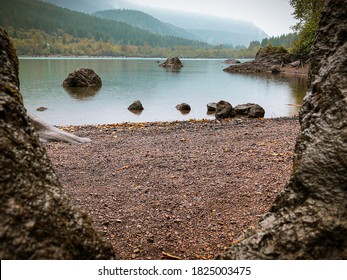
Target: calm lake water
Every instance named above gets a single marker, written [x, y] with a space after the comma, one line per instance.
[201, 81]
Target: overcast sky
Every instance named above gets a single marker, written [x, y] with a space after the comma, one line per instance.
[273, 16]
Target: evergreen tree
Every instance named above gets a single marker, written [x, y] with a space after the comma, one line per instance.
[308, 13]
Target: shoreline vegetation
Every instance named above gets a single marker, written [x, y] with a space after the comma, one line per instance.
[38, 43]
[155, 189]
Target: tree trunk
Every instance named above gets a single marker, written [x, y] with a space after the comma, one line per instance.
[37, 218]
[308, 220]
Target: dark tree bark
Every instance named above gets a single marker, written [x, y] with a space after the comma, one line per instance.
[37, 219]
[308, 220]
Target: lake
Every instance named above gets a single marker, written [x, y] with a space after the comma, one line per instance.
[125, 80]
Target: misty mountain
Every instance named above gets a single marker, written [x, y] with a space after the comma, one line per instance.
[144, 21]
[27, 15]
[211, 29]
[88, 6]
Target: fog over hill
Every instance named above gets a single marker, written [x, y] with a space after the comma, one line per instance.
[89, 6]
[211, 29]
[145, 21]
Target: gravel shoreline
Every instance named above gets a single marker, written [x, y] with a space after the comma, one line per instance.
[183, 190]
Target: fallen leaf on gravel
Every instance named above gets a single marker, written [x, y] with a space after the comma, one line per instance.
[237, 241]
[122, 168]
[183, 139]
[167, 256]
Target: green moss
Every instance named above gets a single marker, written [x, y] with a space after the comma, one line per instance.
[8, 90]
[270, 50]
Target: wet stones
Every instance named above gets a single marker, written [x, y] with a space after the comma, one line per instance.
[250, 110]
[221, 110]
[136, 106]
[41, 109]
[224, 110]
[183, 108]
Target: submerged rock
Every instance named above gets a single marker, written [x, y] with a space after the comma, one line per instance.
[232, 61]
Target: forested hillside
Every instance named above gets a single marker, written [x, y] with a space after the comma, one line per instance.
[25, 15]
[39, 28]
[87, 6]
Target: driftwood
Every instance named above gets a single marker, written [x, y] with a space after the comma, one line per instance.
[297, 63]
[49, 133]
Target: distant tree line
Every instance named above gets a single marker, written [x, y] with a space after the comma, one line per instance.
[36, 42]
[39, 29]
[39, 43]
[286, 41]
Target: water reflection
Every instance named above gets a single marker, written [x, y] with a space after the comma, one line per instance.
[81, 93]
[125, 80]
[296, 83]
[136, 112]
[184, 112]
[173, 69]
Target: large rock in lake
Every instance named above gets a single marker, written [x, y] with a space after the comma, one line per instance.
[37, 218]
[308, 220]
[82, 77]
[224, 110]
